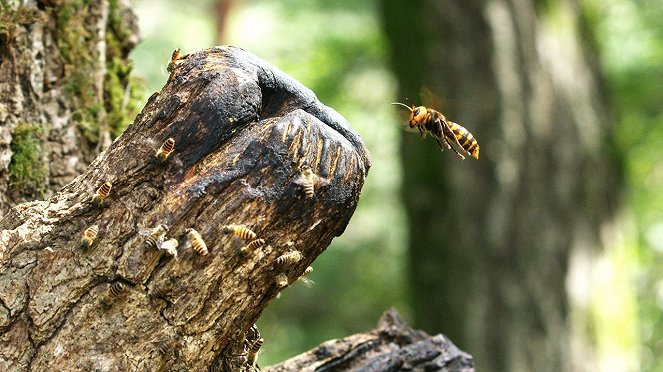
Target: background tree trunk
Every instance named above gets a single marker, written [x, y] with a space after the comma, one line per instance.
[243, 132]
[491, 241]
[65, 90]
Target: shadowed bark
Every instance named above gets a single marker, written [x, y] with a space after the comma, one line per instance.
[243, 131]
[392, 346]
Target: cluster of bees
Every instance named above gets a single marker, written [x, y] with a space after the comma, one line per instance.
[156, 237]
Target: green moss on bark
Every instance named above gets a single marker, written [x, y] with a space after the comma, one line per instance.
[27, 171]
[114, 105]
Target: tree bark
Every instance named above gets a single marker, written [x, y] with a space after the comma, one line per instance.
[392, 346]
[65, 90]
[243, 132]
[492, 241]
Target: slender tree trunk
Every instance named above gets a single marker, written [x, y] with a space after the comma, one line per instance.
[65, 90]
[491, 240]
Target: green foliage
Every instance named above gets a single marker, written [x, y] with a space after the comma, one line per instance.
[630, 36]
[118, 101]
[27, 171]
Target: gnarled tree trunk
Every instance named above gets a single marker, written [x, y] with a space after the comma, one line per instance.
[243, 133]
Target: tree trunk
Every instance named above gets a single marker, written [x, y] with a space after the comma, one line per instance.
[65, 90]
[491, 241]
[244, 135]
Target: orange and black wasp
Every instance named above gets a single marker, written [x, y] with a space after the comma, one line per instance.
[443, 130]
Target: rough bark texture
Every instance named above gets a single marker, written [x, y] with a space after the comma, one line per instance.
[392, 346]
[544, 192]
[65, 90]
[243, 130]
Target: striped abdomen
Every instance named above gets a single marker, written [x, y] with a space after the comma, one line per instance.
[240, 231]
[465, 139]
[165, 149]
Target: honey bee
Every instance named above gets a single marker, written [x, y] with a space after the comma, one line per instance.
[155, 236]
[166, 148]
[290, 257]
[253, 351]
[309, 181]
[116, 289]
[89, 235]
[239, 231]
[174, 60]
[102, 193]
[304, 280]
[281, 280]
[170, 246]
[443, 130]
[196, 241]
[248, 249]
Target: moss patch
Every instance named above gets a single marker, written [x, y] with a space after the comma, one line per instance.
[27, 171]
[117, 103]
[11, 19]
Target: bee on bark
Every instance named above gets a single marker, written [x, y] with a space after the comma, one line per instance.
[155, 236]
[309, 181]
[102, 193]
[252, 246]
[170, 246]
[240, 231]
[174, 60]
[116, 289]
[89, 235]
[196, 241]
[281, 280]
[306, 281]
[290, 258]
[444, 131]
[253, 351]
[165, 150]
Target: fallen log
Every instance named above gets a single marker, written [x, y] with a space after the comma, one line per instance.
[392, 346]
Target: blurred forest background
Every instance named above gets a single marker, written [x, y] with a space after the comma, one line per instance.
[360, 55]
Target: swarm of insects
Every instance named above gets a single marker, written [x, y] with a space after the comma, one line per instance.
[249, 248]
[174, 60]
[281, 280]
[102, 193]
[289, 258]
[116, 289]
[155, 236]
[170, 246]
[309, 181]
[444, 131]
[196, 241]
[240, 231]
[89, 235]
[166, 149]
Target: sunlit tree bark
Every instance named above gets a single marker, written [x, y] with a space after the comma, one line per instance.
[491, 241]
[65, 90]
